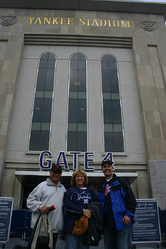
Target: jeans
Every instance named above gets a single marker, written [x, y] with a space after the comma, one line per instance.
[118, 240]
[55, 236]
[74, 242]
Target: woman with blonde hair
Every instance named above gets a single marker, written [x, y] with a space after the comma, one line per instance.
[76, 200]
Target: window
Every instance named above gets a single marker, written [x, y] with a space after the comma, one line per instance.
[113, 132]
[40, 129]
[77, 120]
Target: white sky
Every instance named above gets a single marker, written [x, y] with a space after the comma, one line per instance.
[159, 1]
[155, 1]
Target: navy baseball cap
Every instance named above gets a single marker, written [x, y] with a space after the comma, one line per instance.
[107, 161]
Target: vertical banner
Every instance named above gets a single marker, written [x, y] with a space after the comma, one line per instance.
[147, 226]
[6, 208]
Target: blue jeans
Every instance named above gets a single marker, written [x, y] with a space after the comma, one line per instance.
[74, 242]
[55, 236]
[118, 240]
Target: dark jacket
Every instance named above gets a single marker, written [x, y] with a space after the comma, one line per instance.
[75, 200]
[95, 225]
[123, 201]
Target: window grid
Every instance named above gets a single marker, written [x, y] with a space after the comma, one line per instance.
[77, 119]
[113, 132]
[40, 129]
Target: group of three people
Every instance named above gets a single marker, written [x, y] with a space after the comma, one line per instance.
[117, 206]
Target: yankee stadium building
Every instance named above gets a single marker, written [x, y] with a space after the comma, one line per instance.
[80, 81]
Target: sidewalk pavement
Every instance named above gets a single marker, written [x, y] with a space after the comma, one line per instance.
[18, 243]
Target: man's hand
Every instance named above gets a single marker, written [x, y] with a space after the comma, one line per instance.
[126, 220]
[87, 213]
[44, 210]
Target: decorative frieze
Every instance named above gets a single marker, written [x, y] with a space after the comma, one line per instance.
[8, 20]
[148, 25]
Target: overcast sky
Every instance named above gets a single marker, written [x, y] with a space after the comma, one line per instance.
[159, 1]
[155, 1]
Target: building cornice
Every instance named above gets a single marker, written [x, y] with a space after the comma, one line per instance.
[89, 5]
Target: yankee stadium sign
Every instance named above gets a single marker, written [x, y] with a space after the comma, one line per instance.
[70, 21]
[45, 160]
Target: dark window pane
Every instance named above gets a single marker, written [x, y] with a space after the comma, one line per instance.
[34, 141]
[81, 57]
[82, 141]
[44, 140]
[81, 111]
[72, 115]
[74, 57]
[73, 80]
[41, 80]
[74, 65]
[106, 81]
[81, 87]
[109, 142]
[71, 141]
[51, 64]
[49, 79]
[43, 64]
[82, 65]
[37, 111]
[105, 58]
[105, 65]
[82, 76]
[51, 57]
[107, 111]
[44, 57]
[114, 82]
[118, 141]
[46, 117]
[112, 65]
[106, 87]
[111, 58]
[116, 111]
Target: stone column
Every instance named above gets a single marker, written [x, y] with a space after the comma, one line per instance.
[150, 71]
[10, 55]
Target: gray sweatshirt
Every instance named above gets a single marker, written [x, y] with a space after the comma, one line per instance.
[47, 194]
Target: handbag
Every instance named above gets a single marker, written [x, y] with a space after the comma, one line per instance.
[80, 226]
[42, 242]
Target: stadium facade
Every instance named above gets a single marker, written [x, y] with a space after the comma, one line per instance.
[82, 80]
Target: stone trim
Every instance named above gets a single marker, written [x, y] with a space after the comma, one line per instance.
[77, 40]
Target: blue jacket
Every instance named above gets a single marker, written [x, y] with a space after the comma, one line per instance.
[123, 201]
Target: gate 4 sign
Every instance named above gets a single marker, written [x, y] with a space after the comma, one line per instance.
[62, 160]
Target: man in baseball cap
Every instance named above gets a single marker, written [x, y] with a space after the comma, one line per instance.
[49, 193]
[118, 207]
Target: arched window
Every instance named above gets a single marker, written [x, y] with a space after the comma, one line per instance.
[77, 120]
[40, 129]
[113, 131]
